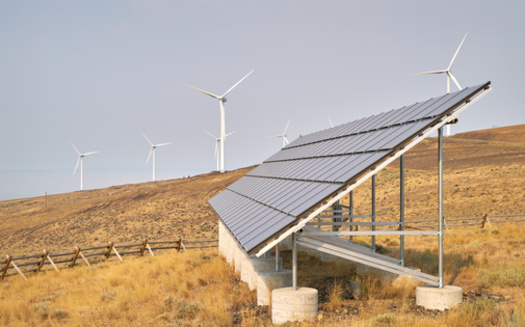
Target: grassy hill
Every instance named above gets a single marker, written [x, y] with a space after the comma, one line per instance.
[483, 173]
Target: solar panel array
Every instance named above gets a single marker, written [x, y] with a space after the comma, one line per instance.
[314, 167]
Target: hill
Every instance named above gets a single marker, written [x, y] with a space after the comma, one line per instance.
[483, 173]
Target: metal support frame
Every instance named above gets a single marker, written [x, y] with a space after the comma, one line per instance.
[440, 191]
[351, 208]
[277, 257]
[402, 208]
[373, 211]
[437, 127]
[294, 261]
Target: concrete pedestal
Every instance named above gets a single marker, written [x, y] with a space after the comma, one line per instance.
[435, 298]
[294, 305]
[268, 280]
[238, 255]
[259, 264]
[246, 269]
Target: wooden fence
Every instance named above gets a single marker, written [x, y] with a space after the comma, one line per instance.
[484, 221]
[24, 265]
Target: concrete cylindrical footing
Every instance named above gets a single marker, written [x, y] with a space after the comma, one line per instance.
[294, 305]
[435, 298]
[268, 280]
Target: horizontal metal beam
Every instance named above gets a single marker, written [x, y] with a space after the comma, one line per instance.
[367, 260]
[356, 223]
[375, 233]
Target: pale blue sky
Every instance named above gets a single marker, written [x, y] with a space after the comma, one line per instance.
[99, 72]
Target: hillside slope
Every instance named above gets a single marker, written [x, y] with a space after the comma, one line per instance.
[484, 172]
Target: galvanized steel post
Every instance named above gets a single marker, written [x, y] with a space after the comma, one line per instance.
[294, 261]
[402, 208]
[440, 190]
[277, 257]
[351, 205]
[373, 211]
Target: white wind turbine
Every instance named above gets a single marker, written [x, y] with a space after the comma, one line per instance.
[217, 141]
[449, 74]
[152, 152]
[81, 162]
[222, 99]
[283, 135]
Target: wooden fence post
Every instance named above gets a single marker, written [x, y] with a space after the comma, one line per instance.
[75, 256]
[82, 255]
[41, 264]
[179, 244]
[110, 247]
[18, 270]
[143, 248]
[52, 262]
[485, 221]
[7, 263]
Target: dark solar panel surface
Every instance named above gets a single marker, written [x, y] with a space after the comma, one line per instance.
[314, 167]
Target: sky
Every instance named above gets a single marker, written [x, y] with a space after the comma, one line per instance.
[98, 73]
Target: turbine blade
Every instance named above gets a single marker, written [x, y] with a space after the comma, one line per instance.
[147, 138]
[90, 153]
[275, 136]
[210, 134]
[286, 140]
[163, 144]
[75, 171]
[286, 128]
[149, 156]
[429, 73]
[330, 121]
[239, 82]
[457, 51]
[205, 92]
[229, 134]
[455, 81]
[75, 147]
[216, 150]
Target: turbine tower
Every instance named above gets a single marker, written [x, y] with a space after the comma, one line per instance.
[283, 135]
[81, 162]
[222, 99]
[152, 152]
[217, 141]
[449, 74]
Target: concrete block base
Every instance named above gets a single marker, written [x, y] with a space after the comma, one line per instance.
[294, 305]
[268, 280]
[259, 264]
[435, 298]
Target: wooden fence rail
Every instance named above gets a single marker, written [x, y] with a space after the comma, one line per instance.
[23, 265]
[483, 221]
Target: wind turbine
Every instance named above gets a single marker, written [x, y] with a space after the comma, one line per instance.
[217, 141]
[152, 152]
[283, 135]
[81, 162]
[449, 74]
[222, 99]
[330, 121]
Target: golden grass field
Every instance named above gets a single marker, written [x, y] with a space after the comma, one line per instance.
[483, 173]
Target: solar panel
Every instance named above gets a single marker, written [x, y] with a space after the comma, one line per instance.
[311, 169]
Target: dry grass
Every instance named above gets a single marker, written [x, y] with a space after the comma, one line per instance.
[178, 289]
[484, 172]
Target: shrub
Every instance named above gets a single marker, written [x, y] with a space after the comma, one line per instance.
[508, 276]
